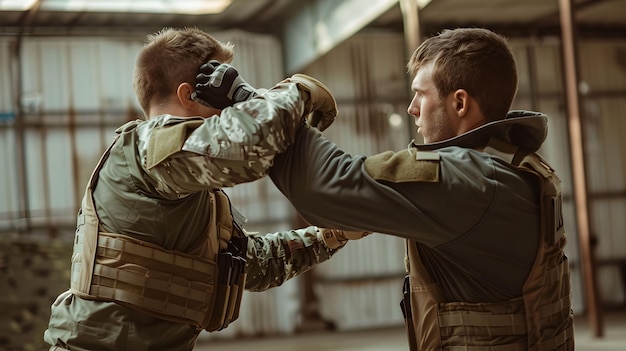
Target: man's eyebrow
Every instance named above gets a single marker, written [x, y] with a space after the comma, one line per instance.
[416, 89]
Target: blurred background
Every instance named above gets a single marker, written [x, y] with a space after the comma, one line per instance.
[66, 68]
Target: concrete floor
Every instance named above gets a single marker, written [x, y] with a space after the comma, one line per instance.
[394, 339]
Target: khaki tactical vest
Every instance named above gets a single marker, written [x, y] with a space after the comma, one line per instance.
[539, 320]
[202, 288]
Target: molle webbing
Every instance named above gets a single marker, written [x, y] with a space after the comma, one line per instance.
[484, 326]
[176, 286]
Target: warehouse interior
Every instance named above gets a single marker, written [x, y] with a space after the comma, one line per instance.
[67, 68]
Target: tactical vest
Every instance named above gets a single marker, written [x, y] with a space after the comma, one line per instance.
[202, 288]
[539, 320]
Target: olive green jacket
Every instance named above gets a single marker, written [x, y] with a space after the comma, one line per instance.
[475, 217]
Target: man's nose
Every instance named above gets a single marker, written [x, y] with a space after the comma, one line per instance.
[412, 109]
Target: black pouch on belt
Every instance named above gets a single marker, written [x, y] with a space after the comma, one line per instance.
[405, 305]
[222, 294]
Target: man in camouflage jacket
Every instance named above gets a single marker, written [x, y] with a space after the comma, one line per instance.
[154, 185]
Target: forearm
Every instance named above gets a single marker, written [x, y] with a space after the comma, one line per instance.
[185, 155]
[274, 258]
[262, 126]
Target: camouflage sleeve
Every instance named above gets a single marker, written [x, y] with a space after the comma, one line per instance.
[274, 258]
[185, 155]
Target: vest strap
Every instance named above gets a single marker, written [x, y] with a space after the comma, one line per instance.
[508, 347]
[562, 304]
[121, 247]
[516, 322]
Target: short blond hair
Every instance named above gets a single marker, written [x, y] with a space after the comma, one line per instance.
[173, 56]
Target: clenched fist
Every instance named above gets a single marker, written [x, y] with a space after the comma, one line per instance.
[334, 238]
[322, 107]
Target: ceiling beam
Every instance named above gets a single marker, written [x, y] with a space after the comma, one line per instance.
[316, 27]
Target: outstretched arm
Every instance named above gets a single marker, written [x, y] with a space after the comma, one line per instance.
[274, 258]
[186, 155]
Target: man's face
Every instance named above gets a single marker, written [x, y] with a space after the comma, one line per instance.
[432, 118]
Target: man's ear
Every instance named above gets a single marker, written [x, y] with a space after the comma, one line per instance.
[184, 95]
[461, 102]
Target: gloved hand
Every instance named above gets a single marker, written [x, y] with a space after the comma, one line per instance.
[220, 86]
[323, 107]
[334, 238]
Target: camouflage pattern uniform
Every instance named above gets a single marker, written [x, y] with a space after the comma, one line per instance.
[155, 187]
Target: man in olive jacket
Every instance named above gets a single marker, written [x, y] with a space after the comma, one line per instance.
[480, 210]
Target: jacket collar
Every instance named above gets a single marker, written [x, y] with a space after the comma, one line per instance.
[524, 129]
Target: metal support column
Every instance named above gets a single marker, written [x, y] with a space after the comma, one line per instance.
[576, 139]
[412, 30]
[23, 223]
[412, 38]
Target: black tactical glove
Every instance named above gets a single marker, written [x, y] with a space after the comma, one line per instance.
[220, 86]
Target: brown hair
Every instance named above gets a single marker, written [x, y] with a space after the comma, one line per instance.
[171, 57]
[475, 59]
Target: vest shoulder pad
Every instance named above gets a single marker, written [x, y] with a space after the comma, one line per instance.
[167, 140]
[128, 126]
[404, 166]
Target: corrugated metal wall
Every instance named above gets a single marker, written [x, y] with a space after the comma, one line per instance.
[76, 91]
[603, 65]
[361, 286]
